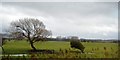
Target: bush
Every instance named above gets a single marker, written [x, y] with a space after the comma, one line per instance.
[78, 45]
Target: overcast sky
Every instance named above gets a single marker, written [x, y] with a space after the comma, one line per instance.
[83, 19]
[59, 0]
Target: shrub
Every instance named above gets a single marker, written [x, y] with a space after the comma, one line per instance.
[77, 44]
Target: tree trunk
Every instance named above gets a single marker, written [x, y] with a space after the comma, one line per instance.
[3, 51]
[33, 47]
[31, 42]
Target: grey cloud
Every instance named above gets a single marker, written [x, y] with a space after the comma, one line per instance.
[80, 19]
[59, 0]
[69, 10]
[77, 7]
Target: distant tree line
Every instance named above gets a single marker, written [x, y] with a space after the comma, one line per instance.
[55, 39]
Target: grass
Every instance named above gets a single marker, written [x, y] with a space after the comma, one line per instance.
[18, 47]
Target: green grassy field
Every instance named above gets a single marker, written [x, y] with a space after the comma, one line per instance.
[92, 50]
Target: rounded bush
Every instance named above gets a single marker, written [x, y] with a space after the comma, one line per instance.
[77, 45]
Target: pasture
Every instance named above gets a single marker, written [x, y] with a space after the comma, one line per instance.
[61, 49]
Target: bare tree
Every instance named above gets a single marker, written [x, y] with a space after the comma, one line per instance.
[32, 29]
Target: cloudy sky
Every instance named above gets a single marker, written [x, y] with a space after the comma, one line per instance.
[59, 0]
[83, 19]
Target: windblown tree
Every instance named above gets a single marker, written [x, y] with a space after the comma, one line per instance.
[32, 29]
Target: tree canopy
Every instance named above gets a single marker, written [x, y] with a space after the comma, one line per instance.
[32, 29]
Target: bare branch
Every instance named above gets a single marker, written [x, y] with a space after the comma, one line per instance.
[33, 29]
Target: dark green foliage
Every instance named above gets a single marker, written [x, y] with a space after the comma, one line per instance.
[78, 45]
